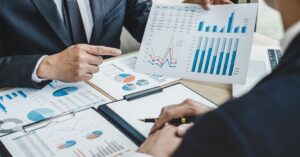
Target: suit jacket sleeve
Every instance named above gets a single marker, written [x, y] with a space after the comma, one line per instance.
[264, 122]
[136, 17]
[16, 71]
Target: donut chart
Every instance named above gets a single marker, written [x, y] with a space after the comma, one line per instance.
[94, 135]
[142, 82]
[129, 87]
[125, 78]
[14, 125]
[40, 114]
[65, 91]
[67, 144]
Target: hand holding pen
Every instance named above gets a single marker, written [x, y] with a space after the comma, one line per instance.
[188, 108]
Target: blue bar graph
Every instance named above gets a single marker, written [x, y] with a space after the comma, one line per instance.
[230, 23]
[244, 29]
[233, 57]
[197, 55]
[201, 24]
[225, 28]
[215, 56]
[227, 57]
[203, 55]
[209, 54]
[221, 56]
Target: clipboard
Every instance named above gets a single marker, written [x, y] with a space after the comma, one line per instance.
[109, 134]
[118, 121]
[132, 130]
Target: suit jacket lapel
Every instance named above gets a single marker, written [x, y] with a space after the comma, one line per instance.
[49, 11]
[97, 12]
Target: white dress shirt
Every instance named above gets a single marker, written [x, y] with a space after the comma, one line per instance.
[88, 23]
[289, 36]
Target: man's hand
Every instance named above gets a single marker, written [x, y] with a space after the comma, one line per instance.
[186, 108]
[76, 63]
[162, 143]
[206, 3]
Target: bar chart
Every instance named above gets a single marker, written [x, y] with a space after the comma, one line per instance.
[229, 28]
[215, 56]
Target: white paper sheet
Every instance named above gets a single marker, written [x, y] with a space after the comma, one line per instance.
[85, 135]
[186, 41]
[150, 106]
[117, 77]
[24, 105]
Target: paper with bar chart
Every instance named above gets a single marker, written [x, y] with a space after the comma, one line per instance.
[87, 134]
[21, 106]
[186, 41]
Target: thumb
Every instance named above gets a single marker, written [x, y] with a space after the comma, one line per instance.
[182, 129]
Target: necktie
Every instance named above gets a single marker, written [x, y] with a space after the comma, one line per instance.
[73, 21]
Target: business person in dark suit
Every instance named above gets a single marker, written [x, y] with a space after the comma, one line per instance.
[43, 40]
[262, 123]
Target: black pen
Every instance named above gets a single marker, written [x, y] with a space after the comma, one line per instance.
[176, 122]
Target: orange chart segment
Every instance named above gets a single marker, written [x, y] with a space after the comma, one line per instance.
[125, 78]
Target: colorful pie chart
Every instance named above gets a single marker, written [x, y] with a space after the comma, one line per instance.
[40, 114]
[142, 82]
[129, 87]
[65, 91]
[94, 134]
[125, 78]
[67, 144]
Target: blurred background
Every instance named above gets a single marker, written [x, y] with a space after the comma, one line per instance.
[268, 24]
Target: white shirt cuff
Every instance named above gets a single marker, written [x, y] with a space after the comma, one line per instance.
[135, 154]
[34, 76]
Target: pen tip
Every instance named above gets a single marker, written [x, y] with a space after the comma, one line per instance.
[142, 120]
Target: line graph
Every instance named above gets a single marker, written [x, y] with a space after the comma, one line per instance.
[168, 58]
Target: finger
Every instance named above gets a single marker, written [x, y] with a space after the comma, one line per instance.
[159, 123]
[86, 77]
[94, 60]
[182, 129]
[102, 50]
[92, 69]
[204, 3]
[227, 2]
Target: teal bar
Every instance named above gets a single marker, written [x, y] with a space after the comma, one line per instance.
[227, 56]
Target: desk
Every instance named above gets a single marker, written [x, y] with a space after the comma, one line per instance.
[219, 93]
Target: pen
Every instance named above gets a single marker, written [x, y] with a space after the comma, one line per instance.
[3, 108]
[176, 122]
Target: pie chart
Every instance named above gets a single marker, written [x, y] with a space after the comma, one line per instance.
[129, 87]
[94, 134]
[40, 114]
[67, 144]
[65, 91]
[142, 82]
[125, 78]
[10, 125]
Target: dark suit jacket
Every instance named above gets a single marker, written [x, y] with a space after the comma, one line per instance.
[32, 28]
[263, 123]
